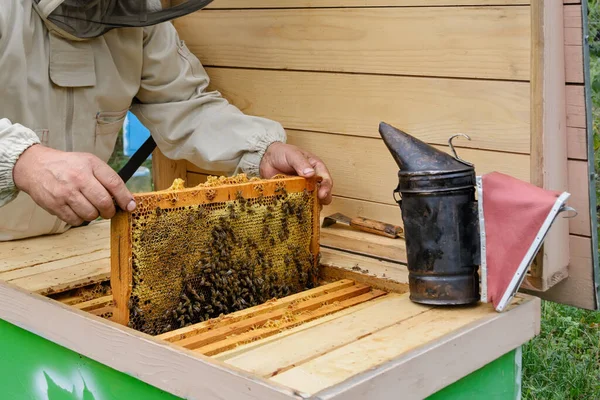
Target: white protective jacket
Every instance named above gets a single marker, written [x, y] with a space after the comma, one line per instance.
[74, 95]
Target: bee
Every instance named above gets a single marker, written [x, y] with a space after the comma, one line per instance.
[136, 312]
[131, 303]
[158, 211]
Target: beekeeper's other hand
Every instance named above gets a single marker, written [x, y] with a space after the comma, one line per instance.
[281, 158]
[75, 187]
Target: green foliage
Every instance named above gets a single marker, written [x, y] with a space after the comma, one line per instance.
[594, 26]
[594, 44]
[563, 362]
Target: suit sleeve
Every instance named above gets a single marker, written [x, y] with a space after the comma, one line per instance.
[189, 122]
[14, 138]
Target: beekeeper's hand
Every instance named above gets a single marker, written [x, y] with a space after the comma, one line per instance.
[75, 187]
[281, 158]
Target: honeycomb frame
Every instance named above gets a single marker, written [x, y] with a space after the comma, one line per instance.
[130, 238]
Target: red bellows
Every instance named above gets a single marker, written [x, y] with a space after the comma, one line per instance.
[514, 218]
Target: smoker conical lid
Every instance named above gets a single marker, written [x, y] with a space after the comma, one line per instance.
[413, 155]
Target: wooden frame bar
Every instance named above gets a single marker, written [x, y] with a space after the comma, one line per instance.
[548, 134]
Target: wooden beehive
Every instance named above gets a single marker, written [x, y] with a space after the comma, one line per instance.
[501, 71]
[188, 255]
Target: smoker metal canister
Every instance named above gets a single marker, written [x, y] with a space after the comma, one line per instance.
[439, 211]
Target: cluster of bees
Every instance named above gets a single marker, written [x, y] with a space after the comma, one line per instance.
[258, 249]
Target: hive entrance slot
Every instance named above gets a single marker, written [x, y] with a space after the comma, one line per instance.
[186, 256]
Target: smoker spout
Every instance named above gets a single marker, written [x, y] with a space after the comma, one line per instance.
[413, 155]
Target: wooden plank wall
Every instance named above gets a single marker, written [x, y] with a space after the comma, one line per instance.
[579, 288]
[329, 73]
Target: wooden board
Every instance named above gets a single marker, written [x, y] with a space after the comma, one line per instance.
[283, 354]
[52, 248]
[344, 237]
[468, 42]
[577, 143]
[243, 4]
[56, 263]
[344, 155]
[575, 99]
[573, 33]
[548, 133]
[325, 353]
[579, 289]
[580, 199]
[494, 114]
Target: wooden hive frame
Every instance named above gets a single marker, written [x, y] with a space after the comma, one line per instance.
[123, 223]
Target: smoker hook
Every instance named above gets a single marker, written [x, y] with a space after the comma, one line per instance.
[397, 194]
[567, 208]
[454, 151]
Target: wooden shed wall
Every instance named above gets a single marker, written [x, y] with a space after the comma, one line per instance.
[328, 71]
[581, 280]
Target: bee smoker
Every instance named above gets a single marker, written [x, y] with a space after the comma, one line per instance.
[437, 201]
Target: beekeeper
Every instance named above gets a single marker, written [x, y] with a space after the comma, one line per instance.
[68, 79]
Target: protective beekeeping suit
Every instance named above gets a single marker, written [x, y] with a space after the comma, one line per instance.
[71, 70]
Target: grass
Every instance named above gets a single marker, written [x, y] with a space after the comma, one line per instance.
[563, 362]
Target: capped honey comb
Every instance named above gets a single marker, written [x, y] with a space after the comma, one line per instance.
[186, 255]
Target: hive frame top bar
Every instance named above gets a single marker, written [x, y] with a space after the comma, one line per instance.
[181, 196]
